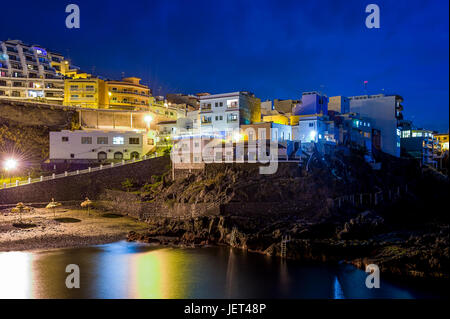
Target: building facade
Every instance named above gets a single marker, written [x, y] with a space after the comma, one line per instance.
[93, 92]
[89, 93]
[84, 146]
[310, 129]
[312, 103]
[340, 104]
[442, 139]
[220, 114]
[385, 112]
[127, 94]
[30, 72]
[284, 106]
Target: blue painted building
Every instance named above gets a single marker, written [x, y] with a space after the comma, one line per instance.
[312, 103]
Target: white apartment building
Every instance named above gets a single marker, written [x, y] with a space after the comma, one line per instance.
[385, 113]
[97, 145]
[310, 129]
[220, 114]
[30, 72]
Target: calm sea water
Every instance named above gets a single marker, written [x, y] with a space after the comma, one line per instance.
[133, 270]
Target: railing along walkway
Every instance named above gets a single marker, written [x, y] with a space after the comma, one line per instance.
[73, 173]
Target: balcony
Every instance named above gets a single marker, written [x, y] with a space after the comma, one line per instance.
[131, 92]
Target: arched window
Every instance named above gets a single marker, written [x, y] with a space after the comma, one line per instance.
[134, 155]
[102, 156]
[118, 155]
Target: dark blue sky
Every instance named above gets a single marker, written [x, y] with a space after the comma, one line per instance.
[276, 49]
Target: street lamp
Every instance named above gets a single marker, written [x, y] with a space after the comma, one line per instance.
[109, 99]
[9, 165]
[148, 119]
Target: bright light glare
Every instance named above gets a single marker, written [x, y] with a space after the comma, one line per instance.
[238, 137]
[10, 164]
[148, 118]
[313, 134]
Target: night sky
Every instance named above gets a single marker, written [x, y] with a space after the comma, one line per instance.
[276, 49]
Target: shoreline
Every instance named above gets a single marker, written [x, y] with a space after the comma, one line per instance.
[72, 227]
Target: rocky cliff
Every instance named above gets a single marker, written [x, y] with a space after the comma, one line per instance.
[25, 127]
[407, 235]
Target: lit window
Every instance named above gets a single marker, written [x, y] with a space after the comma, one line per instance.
[118, 140]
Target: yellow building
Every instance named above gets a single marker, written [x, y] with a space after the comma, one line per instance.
[442, 140]
[127, 94]
[85, 92]
[278, 119]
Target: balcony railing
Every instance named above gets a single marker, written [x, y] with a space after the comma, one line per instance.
[130, 92]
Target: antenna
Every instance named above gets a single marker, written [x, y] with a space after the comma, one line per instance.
[365, 86]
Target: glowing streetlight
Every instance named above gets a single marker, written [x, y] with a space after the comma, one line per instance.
[238, 137]
[9, 165]
[148, 119]
[313, 135]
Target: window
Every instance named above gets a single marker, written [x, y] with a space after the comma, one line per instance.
[312, 124]
[72, 155]
[65, 138]
[118, 155]
[232, 104]
[232, 118]
[134, 140]
[86, 140]
[118, 140]
[150, 141]
[74, 87]
[102, 140]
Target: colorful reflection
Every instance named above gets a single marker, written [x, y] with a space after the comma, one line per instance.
[15, 275]
[130, 270]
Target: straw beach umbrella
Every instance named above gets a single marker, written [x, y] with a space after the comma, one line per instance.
[20, 208]
[53, 206]
[87, 203]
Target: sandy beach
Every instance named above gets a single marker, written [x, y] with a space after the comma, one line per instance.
[69, 227]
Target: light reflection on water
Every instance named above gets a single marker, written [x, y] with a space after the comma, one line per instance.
[131, 270]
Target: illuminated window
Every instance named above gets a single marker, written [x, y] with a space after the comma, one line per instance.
[118, 140]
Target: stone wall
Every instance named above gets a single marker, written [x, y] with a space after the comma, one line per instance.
[77, 187]
[130, 204]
